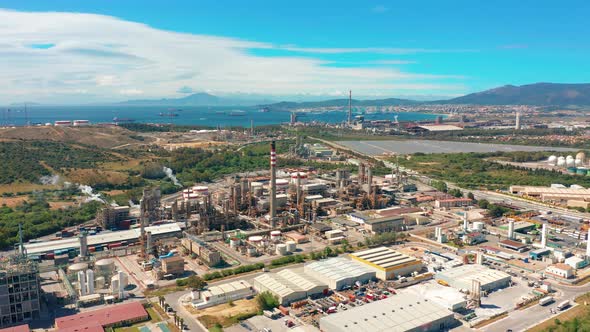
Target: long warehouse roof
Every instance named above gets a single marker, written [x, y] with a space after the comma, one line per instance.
[339, 268]
[104, 237]
[467, 273]
[403, 312]
[384, 258]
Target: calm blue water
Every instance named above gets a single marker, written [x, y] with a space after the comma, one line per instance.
[200, 116]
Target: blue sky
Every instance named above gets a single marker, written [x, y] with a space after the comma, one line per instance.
[58, 52]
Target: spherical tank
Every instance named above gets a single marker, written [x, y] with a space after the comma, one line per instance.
[561, 161]
[581, 156]
[105, 266]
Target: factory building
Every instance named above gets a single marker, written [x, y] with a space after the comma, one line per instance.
[173, 265]
[98, 320]
[513, 245]
[385, 224]
[388, 263]
[403, 312]
[289, 286]
[452, 202]
[554, 193]
[339, 272]
[19, 291]
[559, 270]
[462, 277]
[206, 254]
[223, 293]
[109, 217]
[102, 239]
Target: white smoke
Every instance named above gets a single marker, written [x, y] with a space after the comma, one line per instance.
[131, 204]
[171, 176]
[49, 179]
[88, 191]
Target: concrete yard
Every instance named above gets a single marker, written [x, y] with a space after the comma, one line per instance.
[426, 146]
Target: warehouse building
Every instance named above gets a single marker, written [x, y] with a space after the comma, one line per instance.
[107, 317]
[387, 263]
[223, 293]
[339, 272]
[207, 254]
[552, 194]
[404, 312]
[462, 277]
[104, 238]
[289, 286]
[384, 224]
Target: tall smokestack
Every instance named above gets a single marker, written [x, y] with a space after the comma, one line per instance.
[465, 221]
[517, 125]
[273, 184]
[511, 229]
[349, 107]
[544, 236]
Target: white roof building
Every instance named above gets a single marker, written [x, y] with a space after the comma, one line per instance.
[339, 272]
[221, 294]
[289, 286]
[387, 263]
[403, 312]
[462, 277]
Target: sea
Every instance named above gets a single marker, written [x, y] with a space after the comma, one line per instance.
[195, 115]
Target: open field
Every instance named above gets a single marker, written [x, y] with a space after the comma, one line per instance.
[24, 187]
[225, 314]
[13, 201]
[376, 148]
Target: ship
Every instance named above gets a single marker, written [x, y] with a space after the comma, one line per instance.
[237, 113]
[264, 110]
[117, 119]
[169, 114]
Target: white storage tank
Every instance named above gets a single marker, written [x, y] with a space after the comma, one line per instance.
[100, 283]
[291, 246]
[275, 236]
[552, 160]
[281, 249]
[561, 161]
[89, 282]
[478, 226]
[251, 251]
[282, 184]
[255, 240]
[115, 284]
[201, 190]
[105, 267]
[234, 242]
[302, 177]
[75, 268]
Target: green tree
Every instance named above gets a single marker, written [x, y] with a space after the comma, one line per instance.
[440, 186]
[267, 301]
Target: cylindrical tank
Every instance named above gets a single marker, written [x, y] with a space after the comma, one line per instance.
[570, 162]
[123, 280]
[291, 246]
[561, 161]
[201, 190]
[478, 226]
[89, 282]
[82, 282]
[234, 242]
[100, 283]
[302, 177]
[256, 239]
[571, 170]
[75, 268]
[105, 266]
[115, 284]
[282, 184]
[552, 160]
[251, 251]
[581, 156]
[582, 170]
[275, 236]
[281, 249]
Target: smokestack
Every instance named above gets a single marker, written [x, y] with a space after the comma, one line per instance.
[369, 177]
[89, 282]
[465, 221]
[479, 258]
[298, 184]
[82, 282]
[349, 107]
[273, 184]
[544, 236]
[149, 242]
[517, 121]
[511, 229]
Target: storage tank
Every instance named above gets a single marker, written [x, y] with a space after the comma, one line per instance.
[89, 282]
[201, 190]
[234, 242]
[561, 161]
[99, 283]
[291, 246]
[75, 268]
[256, 188]
[570, 162]
[552, 160]
[478, 226]
[251, 251]
[255, 240]
[115, 284]
[571, 170]
[282, 184]
[275, 236]
[105, 267]
[281, 249]
[581, 156]
[302, 177]
[582, 171]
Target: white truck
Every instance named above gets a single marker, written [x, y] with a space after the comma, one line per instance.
[546, 300]
[563, 305]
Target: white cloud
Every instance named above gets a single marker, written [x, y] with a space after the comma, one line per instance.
[107, 57]
[379, 9]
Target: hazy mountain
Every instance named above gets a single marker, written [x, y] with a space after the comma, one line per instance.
[543, 94]
[286, 105]
[196, 99]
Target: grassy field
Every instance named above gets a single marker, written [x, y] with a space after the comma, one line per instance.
[225, 314]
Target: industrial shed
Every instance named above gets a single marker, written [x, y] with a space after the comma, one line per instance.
[462, 277]
[387, 263]
[339, 272]
[403, 312]
[289, 286]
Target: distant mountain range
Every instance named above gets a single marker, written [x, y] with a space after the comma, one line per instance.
[196, 99]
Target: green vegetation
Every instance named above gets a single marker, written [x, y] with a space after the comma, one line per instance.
[27, 161]
[38, 220]
[495, 210]
[194, 282]
[475, 170]
[267, 301]
[384, 238]
[230, 272]
[287, 260]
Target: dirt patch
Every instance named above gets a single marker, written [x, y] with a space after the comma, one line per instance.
[61, 205]
[13, 201]
[200, 144]
[24, 187]
[225, 314]
[93, 177]
[429, 163]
